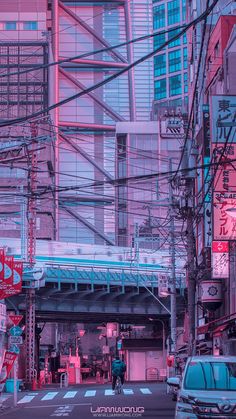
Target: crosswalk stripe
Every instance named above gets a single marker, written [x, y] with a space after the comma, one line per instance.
[26, 399]
[109, 392]
[127, 391]
[50, 395]
[70, 395]
[145, 391]
[90, 393]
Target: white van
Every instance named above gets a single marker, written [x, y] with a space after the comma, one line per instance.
[207, 388]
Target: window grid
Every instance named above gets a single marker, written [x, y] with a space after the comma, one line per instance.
[174, 61]
[175, 85]
[30, 26]
[173, 8]
[10, 26]
[160, 65]
[159, 17]
[160, 89]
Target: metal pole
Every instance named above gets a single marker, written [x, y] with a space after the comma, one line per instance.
[15, 374]
[191, 275]
[163, 342]
[173, 278]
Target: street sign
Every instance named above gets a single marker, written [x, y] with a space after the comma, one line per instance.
[14, 348]
[16, 319]
[15, 340]
[15, 331]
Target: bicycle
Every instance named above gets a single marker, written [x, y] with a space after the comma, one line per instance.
[118, 386]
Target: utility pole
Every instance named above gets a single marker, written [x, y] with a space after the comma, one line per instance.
[31, 249]
[173, 276]
[187, 212]
[191, 272]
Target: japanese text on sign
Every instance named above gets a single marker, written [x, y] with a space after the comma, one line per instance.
[224, 119]
[224, 211]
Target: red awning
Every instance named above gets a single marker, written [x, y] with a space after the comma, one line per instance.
[201, 330]
[221, 328]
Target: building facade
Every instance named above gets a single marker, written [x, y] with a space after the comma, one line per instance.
[84, 128]
[170, 64]
[215, 286]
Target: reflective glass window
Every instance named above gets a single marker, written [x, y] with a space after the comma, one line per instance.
[159, 65]
[175, 85]
[185, 58]
[10, 26]
[160, 89]
[159, 40]
[171, 34]
[173, 8]
[30, 26]
[175, 60]
[159, 19]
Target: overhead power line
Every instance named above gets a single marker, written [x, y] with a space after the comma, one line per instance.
[114, 76]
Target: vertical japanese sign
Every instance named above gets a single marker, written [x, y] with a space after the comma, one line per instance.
[12, 282]
[223, 119]
[225, 177]
[2, 255]
[224, 216]
[206, 130]
[207, 202]
[7, 365]
[220, 259]
[163, 285]
[8, 276]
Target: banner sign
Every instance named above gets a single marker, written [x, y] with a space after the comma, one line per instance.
[8, 270]
[220, 259]
[220, 247]
[2, 254]
[206, 130]
[7, 288]
[220, 265]
[3, 317]
[223, 119]
[163, 285]
[7, 365]
[224, 216]
[225, 178]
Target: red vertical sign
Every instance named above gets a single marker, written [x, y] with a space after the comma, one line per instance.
[7, 282]
[2, 254]
[8, 270]
[11, 287]
[7, 365]
[17, 277]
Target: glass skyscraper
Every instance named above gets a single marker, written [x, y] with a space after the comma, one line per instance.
[170, 64]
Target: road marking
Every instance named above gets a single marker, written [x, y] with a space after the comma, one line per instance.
[50, 395]
[127, 391]
[70, 395]
[90, 393]
[145, 391]
[4, 398]
[49, 406]
[63, 410]
[109, 392]
[26, 399]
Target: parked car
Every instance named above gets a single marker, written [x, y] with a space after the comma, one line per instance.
[207, 388]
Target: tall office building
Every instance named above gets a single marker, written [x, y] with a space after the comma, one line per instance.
[85, 145]
[171, 63]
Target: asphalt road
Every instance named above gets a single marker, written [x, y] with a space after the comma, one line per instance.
[142, 400]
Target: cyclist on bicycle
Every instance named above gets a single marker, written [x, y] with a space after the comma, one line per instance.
[118, 369]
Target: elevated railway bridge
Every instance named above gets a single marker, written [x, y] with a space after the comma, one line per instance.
[87, 283]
